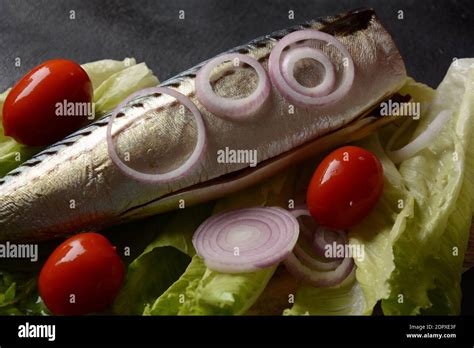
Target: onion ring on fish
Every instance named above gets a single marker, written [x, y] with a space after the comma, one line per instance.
[299, 53]
[172, 175]
[228, 107]
[303, 96]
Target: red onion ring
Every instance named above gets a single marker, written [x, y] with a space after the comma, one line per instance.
[264, 237]
[302, 211]
[181, 170]
[421, 141]
[320, 279]
[320, 240]
[313, 263]
[227, 107]
[306, 258]
[295, 55]
[295, 96]
[314, 272]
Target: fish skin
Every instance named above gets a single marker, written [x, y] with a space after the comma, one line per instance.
[73, 186]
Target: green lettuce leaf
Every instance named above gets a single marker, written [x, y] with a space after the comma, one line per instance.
[345, 299]
[12, 154]
[19, 295]
[430, 254]
[200, 291]
[162, 262]
[380, 229]
[148, 277]
[172, 300]
[101, 70]
[120, 85]
[416, 237]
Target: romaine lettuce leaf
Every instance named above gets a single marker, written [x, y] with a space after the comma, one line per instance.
[162, 262]
[415, 238]
[148, 277]
[99, 71]
[345, 299]
[430, 254]
[359, 297]
[120, 85]
[172, 300]
[200, 291]
[12, 154]
[378, 231]
[19, 295]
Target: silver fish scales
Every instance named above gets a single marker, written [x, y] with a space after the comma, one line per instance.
[73, 185]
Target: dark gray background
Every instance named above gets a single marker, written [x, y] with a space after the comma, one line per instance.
[431, 34]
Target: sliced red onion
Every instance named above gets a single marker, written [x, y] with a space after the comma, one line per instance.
[246, 240]
[228, 107]
[421, 141]
[299, 53]
[320, 279]
[296, 96]
[321, 236]
[314, 263]
[324, 236]
[313, 271]
[302, 211]
[181, 170]
[306, 258]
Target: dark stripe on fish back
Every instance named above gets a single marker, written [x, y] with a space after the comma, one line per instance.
[350, 23]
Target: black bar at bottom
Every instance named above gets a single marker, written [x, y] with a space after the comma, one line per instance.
[258, 330]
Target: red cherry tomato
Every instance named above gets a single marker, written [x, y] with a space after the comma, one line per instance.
[345, 187]
[30, 111]
[83, 275]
